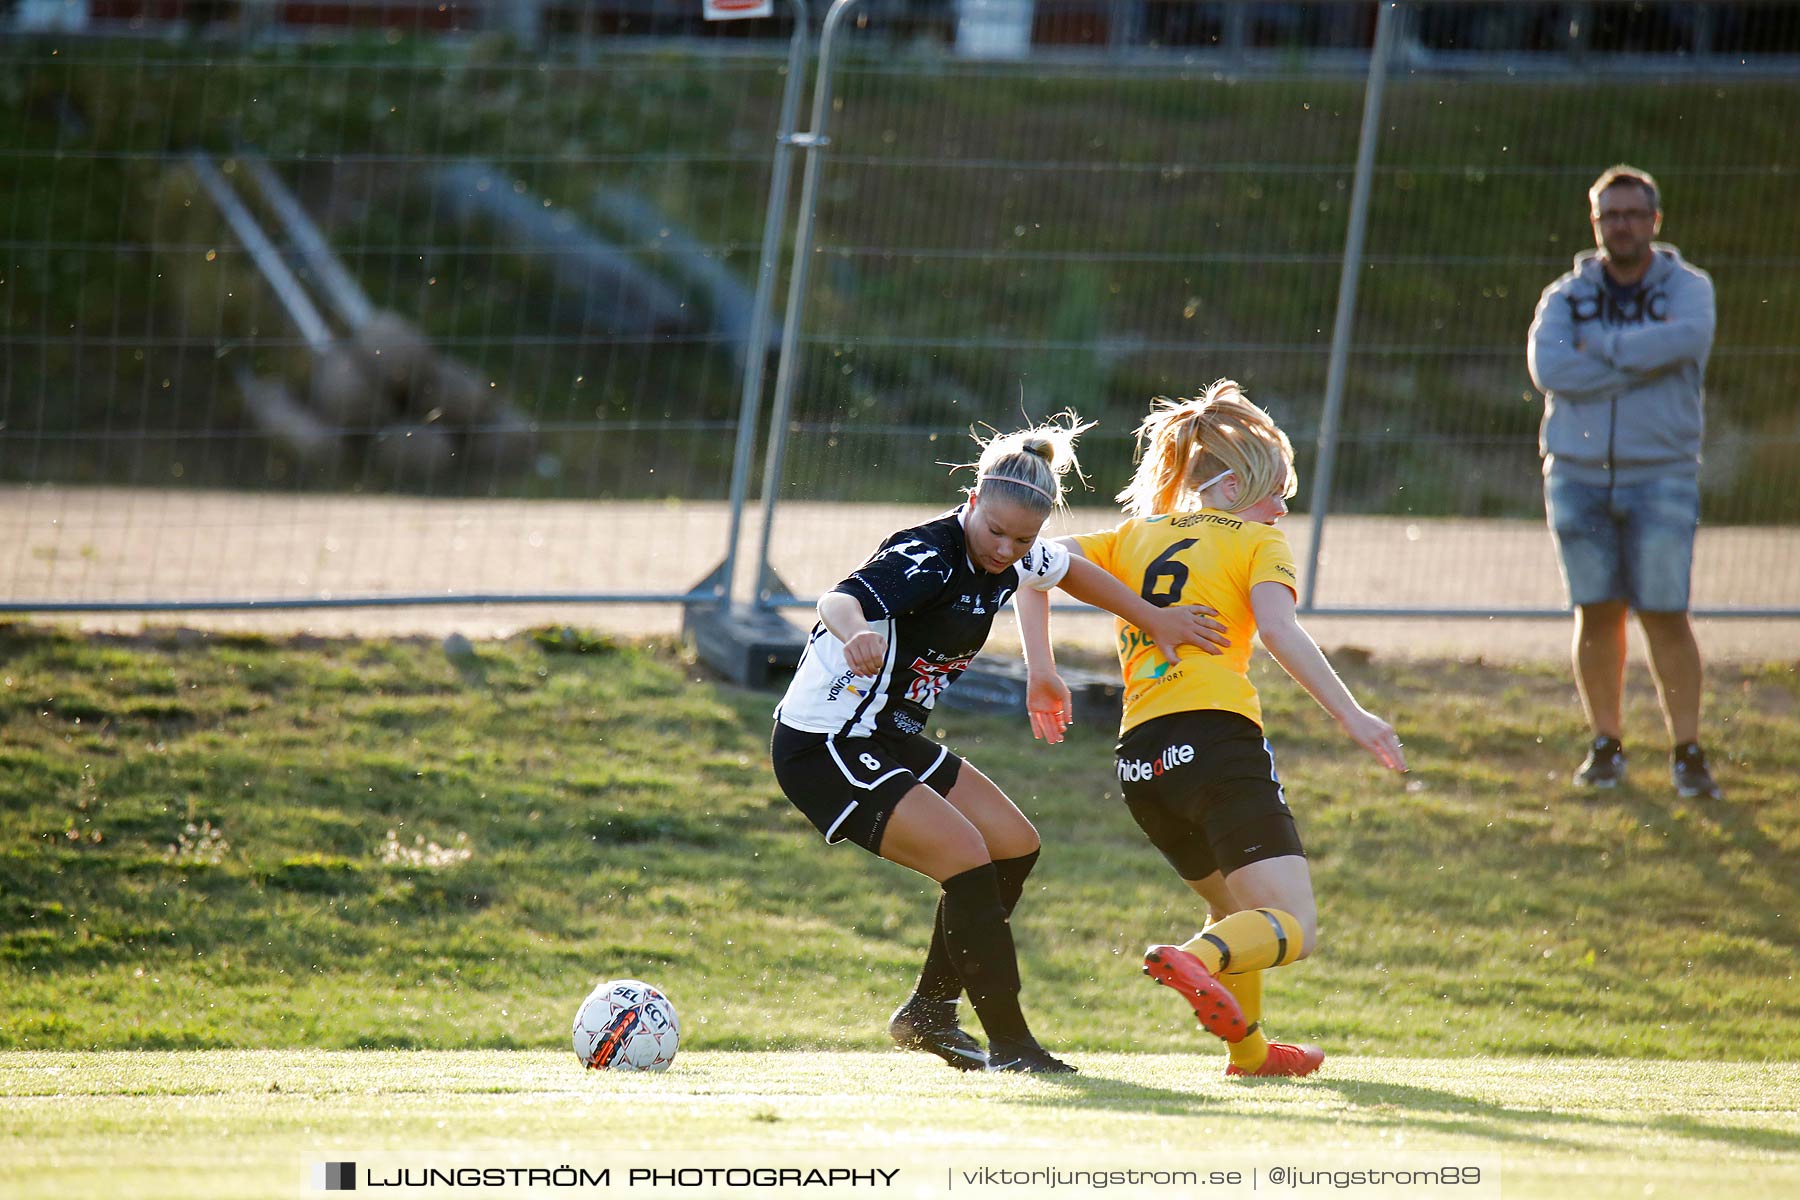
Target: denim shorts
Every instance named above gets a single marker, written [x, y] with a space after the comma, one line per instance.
[1632, 542]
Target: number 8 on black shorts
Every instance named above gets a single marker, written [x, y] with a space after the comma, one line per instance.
[848, 787]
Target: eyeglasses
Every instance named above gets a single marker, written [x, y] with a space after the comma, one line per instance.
[1624, 214]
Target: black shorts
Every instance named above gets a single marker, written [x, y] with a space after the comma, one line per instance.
[848, 787]
[1202, 787]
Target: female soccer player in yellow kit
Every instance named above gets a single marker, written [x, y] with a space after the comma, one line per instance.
[1196, 771]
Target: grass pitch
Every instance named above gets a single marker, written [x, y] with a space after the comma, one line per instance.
[237, 842]
[265, 903]
[250, 1124]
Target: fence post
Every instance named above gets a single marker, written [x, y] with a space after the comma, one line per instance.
[756, 352]
[1344, 325]
[812, 142]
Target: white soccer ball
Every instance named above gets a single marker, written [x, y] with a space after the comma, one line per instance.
[626, 1025]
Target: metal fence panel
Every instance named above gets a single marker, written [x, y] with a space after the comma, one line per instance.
[1093, 225]
[1003, 239]
[1075, 203]
[518, 374]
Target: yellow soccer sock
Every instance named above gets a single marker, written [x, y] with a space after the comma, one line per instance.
[1247, 941]
[1246, 987]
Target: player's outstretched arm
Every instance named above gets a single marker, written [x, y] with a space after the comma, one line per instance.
[1180, 625]
[1047, 699]
[864, 649]
[1300, 656]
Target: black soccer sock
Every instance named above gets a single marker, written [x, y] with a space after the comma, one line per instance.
[981, 948]
[1012, 873]
[938, 979]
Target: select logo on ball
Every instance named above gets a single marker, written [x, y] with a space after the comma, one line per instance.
[626, 1025]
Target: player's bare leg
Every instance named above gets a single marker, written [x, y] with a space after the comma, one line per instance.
[1006, 831]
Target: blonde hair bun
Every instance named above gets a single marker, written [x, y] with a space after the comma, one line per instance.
[1027, 466]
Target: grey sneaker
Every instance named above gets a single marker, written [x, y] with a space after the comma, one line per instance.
[1604, 766]
[1687, 767]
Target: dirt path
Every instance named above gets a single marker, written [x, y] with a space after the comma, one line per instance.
[111, 545]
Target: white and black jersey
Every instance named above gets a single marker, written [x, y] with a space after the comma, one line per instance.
[934, 609]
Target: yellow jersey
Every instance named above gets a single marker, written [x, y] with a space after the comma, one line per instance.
[1206, 557]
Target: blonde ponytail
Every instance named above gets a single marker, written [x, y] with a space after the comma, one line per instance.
[1184, 443]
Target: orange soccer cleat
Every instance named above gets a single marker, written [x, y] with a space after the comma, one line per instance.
[1216, 1009]
[1291, 1061]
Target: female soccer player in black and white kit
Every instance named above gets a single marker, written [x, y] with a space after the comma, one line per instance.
[849, 747]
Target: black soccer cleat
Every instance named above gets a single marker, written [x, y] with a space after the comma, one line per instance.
[1687, 768]
[930, 1025]
[1604, 766]
[1026, 1058]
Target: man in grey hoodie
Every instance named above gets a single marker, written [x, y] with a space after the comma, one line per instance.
[1619, 348]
